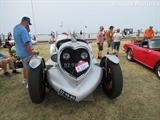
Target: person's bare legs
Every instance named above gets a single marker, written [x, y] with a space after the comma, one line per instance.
[114, 51]
[25, 61]
[117, 52]
[107, 50]
[100, 53]
[25, 73]
[11, 61]
[109, 46]
[3, 65]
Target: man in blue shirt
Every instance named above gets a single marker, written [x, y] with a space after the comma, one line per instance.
[23, 46]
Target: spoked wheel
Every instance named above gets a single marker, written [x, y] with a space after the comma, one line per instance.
[130, 55]
[158, 70]
[112, 81]
[37, 84]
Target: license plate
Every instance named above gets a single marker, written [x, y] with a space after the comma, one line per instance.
[82, 67]
[66, 95]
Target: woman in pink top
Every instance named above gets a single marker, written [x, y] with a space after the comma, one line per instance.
[100, 41]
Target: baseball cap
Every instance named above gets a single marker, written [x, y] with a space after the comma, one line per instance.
[27, 19]
[111, 27]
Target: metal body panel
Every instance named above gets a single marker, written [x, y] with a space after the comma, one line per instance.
[113, 58]
[35, 61]
[79, 88]
[148, 54]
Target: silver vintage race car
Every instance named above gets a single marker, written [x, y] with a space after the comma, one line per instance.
[73, 72]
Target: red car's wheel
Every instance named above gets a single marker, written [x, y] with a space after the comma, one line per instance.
[157, 70]
[130, 55]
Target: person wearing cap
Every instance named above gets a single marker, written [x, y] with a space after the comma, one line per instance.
[117, 37]
[149, 33]
[34, 52]
[109, 38]
[100, 41]
[23, 45]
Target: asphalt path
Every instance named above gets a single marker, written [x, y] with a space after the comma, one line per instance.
[88, 40]
[94, 40]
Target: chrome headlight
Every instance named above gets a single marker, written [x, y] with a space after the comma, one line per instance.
[84, 55]
[66, 56]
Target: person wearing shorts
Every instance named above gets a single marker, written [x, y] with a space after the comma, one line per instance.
[117, 37]
[109, 38]
[4, 60]
[23, 45]
[3, 65]
[100, 41]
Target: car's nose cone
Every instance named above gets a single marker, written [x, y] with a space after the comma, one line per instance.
[75, 62]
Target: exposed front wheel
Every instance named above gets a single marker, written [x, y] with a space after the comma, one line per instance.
[130, 55]
[37, 84]
[157, 70]
[112, 81]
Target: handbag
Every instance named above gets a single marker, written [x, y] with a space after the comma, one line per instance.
[19, 64]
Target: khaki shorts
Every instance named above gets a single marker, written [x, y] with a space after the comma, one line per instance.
[109, 43]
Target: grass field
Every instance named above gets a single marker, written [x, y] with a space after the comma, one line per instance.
[140, 98]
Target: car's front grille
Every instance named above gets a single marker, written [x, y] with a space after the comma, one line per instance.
[70, 58]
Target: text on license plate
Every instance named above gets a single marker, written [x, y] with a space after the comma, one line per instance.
[82, 67]
[66, 95]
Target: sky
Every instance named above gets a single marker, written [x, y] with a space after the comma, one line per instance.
[49, 15]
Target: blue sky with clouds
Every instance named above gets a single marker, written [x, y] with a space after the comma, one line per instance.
[47, 15]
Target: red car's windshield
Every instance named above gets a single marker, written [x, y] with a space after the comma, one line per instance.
[154, 43]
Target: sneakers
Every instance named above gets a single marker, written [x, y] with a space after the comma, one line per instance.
[27, 85]
[7, 74]
[115, 54]
[15, 72]
[24, 81]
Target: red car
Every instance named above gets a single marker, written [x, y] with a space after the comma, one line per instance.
[146, 52]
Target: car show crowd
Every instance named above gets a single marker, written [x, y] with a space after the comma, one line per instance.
[113, 39]
[24, 47]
